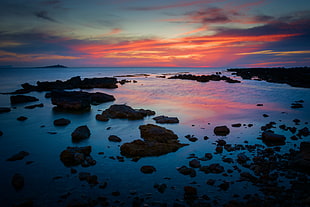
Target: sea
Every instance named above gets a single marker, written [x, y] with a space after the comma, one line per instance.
[200, 107]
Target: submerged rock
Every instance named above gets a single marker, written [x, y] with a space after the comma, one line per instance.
[157, 141]
[147, 169]
[80, 133]
[18, 181]
[22, 99]
[122, 111]
[73, 156]
[166, 120]
[18, 156]
[62, 122]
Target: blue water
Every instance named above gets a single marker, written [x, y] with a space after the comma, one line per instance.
[199, 106]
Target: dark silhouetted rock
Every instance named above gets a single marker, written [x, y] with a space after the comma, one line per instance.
[166, 120]
[18, 156]
[62, 122]
[1, 133]
[236, 125]
[187, 171]
[194, 163]
[34, 106]
[114, 138]
[123, 111]
[73, 156]
[301, 160]
[213, 168]
[157, 141]
[18, 181]
[273, 138]
[22, 118]
[100, 117]
[190, 193]
[204, 78]
[221, 130]
[147, 169]
[78, 100]
[4, 109]
[80, 133]
[22, 99]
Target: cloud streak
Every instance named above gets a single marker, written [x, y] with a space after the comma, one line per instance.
[44, 15]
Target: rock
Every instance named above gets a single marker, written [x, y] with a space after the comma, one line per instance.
[273, 138]
[208, 156]
[303, 132]
[22, 118]
[4, 109]
[213, 168]
[18, 181]
[161, 187]
[190, 193]
[265, 115]
[123, 111]
[34, 106]
[242, 158]
[74, 156]
[1, 133]
[204, 78]
[194, 163]
[236, 125]
[301, 160]
[22, 99]
[156, 133]
[221, 130]
[100, 117]
[210, 182]
[191, 138]
[78, 100]
[166, 119]
[114, 138]
[221, 142]
[187, 171]
[147, 169]
[62, 122]
[219, 149]
[80, 133]
[224, 185]
[83, 175]
[18, 156]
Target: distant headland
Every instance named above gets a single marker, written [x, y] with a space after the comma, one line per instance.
[53, 66]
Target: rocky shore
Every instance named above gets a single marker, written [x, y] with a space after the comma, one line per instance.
[296, 77]
[279, 174]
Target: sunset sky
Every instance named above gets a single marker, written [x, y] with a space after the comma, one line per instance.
[161, 33]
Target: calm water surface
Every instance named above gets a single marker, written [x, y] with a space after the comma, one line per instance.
[199, 106]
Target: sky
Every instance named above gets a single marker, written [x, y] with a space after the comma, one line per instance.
[161, 33]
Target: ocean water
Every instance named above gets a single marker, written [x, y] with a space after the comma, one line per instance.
[199, 106]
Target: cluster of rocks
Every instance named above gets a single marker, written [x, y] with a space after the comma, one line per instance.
[72, 83]
[73, 156]
[204, 78]
[122, 111]
[78, 100]
[297, 76]
[156, 141]
[22, 99]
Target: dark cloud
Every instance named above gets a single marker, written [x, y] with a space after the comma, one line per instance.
[212, 15]
[263, 18]
[44, 15]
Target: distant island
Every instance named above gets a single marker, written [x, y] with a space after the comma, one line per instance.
[54, 66]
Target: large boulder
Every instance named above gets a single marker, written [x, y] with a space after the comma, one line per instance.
[78, 100]
[157, 141]
[80, 133]
[122, 111]
[221, 130]
[272, 138]
[22, 99]
[73, 156]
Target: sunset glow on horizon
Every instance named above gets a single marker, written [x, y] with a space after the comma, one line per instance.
[171, 33]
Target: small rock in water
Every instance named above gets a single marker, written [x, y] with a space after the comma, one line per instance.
[114, 138]
[18, 156]
[147, 169]
[62, 122]
[221, 130]
[166, 119]
[194, 163]
[80, 133]
[22, 118]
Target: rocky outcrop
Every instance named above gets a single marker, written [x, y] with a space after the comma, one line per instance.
[78, 100]
[157, 141]
[22, 99]
[204, 78]
[221, 130]
[73, 156]
[296, 77]
[72, 83]
[80, 133]
[123, 111]
[166, 120]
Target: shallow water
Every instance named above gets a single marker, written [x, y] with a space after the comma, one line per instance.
[199, 106]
